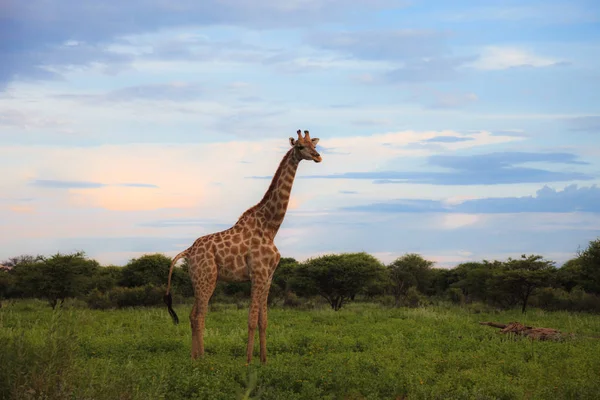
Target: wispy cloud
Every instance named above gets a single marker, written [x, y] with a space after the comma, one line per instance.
[499, 58]
[175, 91]
[448, 139]
[585, 124]
[185, 222]
[547, 200]
[480, 169]
[397, 45]
[61, 184]
[46, 30]
[58, 184]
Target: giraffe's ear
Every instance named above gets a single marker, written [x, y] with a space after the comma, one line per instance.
[292, 141]
[315, 140]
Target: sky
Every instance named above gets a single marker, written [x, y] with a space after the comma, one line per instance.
[461, 130]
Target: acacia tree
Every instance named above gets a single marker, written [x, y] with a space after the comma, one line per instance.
[336, 277]
[407, 271]
[56, 278]
[7, 281]
[153, 269]
[22, 259]
[282, 280]
[570, 275]
[147, 269]
[520, 277]
[475, 279]
[589, 260]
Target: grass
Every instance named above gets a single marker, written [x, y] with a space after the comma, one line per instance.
[364, 351]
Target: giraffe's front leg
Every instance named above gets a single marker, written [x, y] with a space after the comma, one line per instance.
[262, 326]
[262, 319]
[253, 317]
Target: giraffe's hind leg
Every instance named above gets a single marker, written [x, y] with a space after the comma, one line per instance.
[262, 316]
[204, 286]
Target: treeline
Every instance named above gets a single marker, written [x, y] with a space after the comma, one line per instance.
[411, 280]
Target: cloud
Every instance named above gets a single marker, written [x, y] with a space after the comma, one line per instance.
[570, 199]
[498, 58]
[401, 206]
[371, 122]
[413, 55]
[138, 185]
[492, 236]
[547, 200]
[175, 91]
[510, 132]
[584, 124]
[455, 221]
[453, 100]
[448, 139]
[431, 69]
[60, 184]
[45, 35]
[185, 222]
[546, 13]
[481, 169]
[498, 160]
[396, 45]
[11, 118]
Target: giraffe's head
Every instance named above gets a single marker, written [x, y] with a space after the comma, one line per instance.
[305, 147]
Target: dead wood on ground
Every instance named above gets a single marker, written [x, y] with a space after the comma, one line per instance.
[529, 331]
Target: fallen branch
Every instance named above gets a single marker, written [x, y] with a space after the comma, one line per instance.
[528, 331]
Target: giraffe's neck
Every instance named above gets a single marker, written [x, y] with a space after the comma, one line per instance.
[271, 209]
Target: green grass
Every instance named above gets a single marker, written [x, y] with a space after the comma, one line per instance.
[364, 351]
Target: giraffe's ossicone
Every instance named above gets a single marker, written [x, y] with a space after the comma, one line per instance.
[244, 252]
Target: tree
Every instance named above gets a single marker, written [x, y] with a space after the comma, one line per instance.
[521, 276]
[282, 279]
[589, 260]
[107, 277]
[149, 269]
[58, 277]
[570, 275]
[7, 281]
[24, 259]
[335, 277]
[409, 270]
[475, 279]
[439, 281]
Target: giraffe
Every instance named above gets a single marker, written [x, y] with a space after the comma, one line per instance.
[244, 252]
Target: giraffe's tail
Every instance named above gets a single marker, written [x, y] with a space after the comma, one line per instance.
[168, 299]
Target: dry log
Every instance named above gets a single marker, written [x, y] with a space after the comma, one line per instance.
[528, 331]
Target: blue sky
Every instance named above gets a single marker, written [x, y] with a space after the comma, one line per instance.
[457, 130]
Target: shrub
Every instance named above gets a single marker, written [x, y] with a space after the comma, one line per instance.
[456, 295]
[414, 298]
[560, 299]
[120, 297]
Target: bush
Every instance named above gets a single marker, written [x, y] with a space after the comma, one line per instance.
[456, 295]
[291, 300]
[121, 297]
[559, 299]
[414, 298]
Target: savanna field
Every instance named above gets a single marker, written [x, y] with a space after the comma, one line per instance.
[363, 351]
